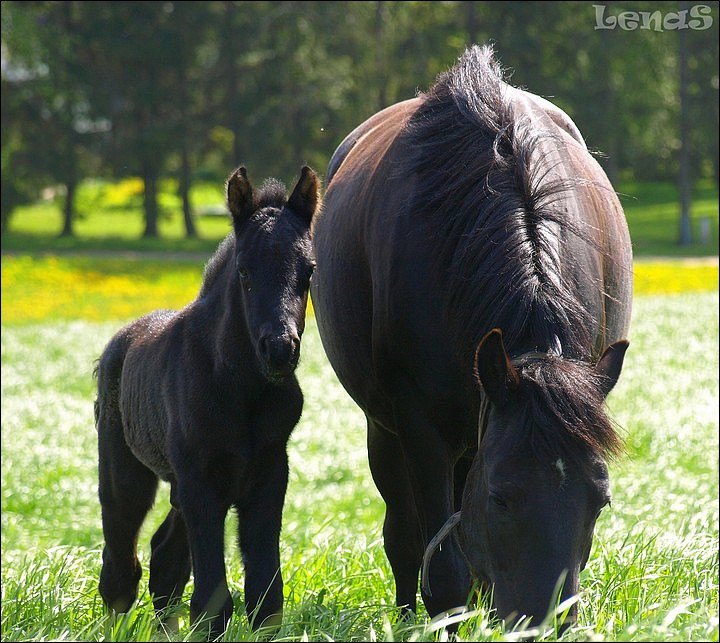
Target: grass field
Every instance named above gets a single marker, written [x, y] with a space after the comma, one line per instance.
[653, 573]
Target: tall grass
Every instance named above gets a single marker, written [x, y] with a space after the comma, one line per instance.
[653, 572]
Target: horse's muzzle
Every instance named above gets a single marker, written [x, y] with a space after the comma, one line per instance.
[279, 355]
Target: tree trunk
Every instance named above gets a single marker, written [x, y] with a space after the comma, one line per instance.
[71, 181]
[184, 189]
[150, 203]
[69, 209]
[472, 23]
[685, 178]
[380, 54]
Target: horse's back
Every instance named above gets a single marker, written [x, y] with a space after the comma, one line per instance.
[110, 364]
[383, 120]
[371, 291]
[129, 385]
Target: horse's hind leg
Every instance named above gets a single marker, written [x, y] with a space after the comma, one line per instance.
[169, 563]
[401, 530]
[127, 491]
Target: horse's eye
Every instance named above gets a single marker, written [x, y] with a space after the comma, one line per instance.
[498, 501]
[243, 273]
[607, 503]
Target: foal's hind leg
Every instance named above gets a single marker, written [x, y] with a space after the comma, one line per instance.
[170, 562]
[127, 491]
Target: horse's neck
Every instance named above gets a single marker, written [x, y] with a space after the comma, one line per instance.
[223, 324]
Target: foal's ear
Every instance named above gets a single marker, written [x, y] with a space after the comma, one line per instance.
[610, 365]
[239, 195]
[305, 196]
[493, 369]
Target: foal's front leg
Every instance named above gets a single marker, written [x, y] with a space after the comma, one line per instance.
[260, 519]
[204, 512]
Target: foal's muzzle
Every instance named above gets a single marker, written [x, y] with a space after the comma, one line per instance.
[279, 355]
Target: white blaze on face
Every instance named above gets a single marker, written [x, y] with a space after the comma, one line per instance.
[560, 466]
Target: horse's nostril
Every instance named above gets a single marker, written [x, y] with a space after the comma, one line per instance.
[279, 353]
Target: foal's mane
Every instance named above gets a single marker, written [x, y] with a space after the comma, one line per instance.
[272, 194]
[491, 210]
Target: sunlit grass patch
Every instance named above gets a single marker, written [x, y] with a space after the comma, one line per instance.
[55, 287]
[652, 574]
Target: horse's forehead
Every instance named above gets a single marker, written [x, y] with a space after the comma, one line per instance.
[518, 463]
[265, 222]
[274, 232]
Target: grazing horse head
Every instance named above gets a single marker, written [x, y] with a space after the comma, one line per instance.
[273, 265]
[539, 479]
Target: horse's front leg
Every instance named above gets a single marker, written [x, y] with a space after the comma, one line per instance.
[430, 463]
[260, 518]
[204, 512]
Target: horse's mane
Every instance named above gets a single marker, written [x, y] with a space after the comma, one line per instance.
[272, 194]
[565, 394]
[492, 212]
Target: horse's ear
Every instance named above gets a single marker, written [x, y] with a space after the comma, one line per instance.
[239, 195]
[610, 365]
[493, 369]
[305, 196]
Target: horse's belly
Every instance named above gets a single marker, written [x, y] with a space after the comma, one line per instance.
[148, 447]
[144, 420]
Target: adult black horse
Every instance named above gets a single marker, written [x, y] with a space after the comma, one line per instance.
[474, 262]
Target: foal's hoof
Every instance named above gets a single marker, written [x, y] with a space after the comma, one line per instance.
[268, 627]
[212, 617]
[170, 624]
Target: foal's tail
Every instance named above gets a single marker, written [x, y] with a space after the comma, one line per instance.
[108, 371]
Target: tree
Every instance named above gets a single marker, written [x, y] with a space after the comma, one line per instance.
[138, 57]
[685, 180]
[49, 123]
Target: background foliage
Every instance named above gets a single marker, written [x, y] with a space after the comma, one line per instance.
[191, 89]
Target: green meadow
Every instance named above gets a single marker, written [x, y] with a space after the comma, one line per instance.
[653, 572]
[108, 218]
[654, 567]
